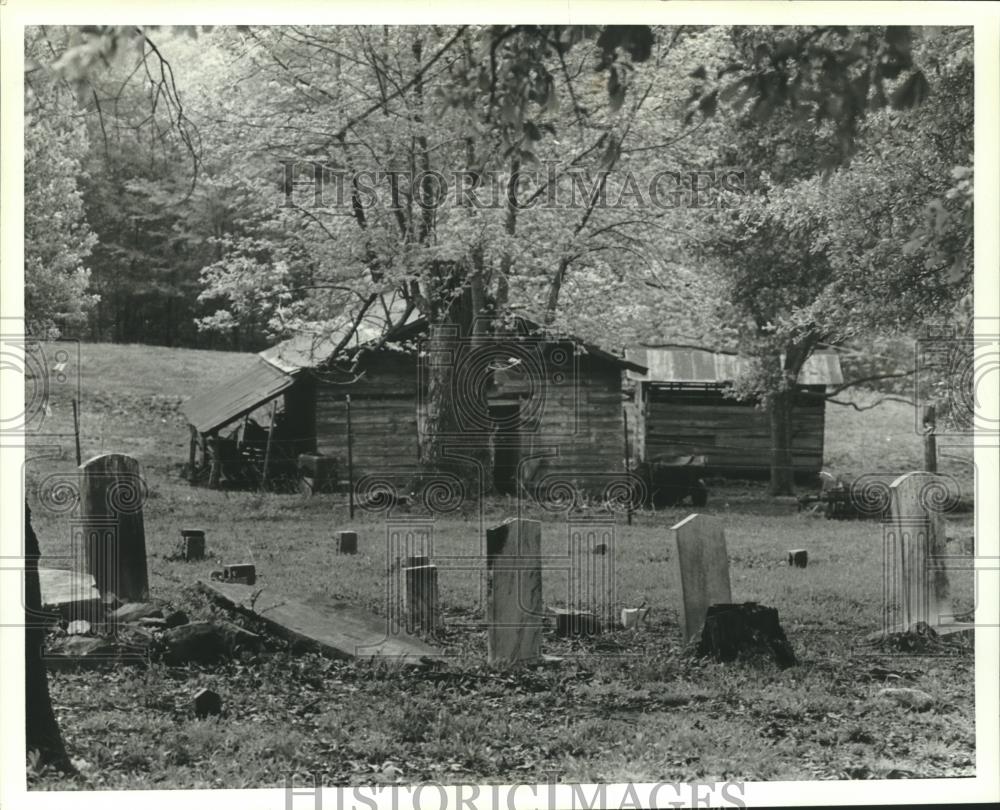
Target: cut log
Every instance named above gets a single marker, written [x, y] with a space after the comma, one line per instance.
[748, 629]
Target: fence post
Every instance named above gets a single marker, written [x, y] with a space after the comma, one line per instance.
[929, 424]
[350, 460]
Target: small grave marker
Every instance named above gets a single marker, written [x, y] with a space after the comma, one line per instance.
[704, 569]
[111, 497]
[206, 702]
[570, 622]
[798, 557]
[514, 612]
[192, 544]
[347, 542]
[633, 617]
[238, 574]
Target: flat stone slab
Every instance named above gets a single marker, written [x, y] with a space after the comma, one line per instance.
[337, 629]
[73, 594]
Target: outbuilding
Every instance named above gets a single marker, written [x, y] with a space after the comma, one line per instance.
[680, 408]
[552, 415]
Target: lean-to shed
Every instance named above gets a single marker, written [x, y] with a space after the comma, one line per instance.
[679, 408]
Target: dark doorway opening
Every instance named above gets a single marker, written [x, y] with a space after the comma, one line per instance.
[506, 447]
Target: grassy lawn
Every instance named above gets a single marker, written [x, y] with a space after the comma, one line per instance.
[629, 705]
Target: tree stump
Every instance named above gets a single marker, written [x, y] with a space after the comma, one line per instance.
[748, 628]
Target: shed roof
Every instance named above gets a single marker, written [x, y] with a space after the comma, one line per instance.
[313, 349]
[694, 365]
[218, 406]
[533, 326]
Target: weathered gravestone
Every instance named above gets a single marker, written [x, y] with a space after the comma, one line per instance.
[514, 613]
[422, 614]
[112, 493]
[916, 582]
[703, 565]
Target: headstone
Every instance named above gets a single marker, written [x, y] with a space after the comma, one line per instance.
[514, 612]
[422, 615]
[700, 545]
[112, 494]
[347, 542]
[915, 540]
[798, 557]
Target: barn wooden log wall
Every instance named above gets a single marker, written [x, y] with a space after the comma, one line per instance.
[735, 436]
[383, 414]
[581, 418]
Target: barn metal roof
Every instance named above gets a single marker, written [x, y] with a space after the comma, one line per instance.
[312, 349]
[693, 365]
[533, 326]
[231, 400]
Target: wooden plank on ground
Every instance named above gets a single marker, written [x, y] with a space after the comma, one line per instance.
[337, 629]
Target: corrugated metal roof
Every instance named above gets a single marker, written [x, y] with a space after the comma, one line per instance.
[533, 326]
[685, 364]
[231, 400]
[312, 349]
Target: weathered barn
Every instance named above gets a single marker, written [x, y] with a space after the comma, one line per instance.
[552, 410]
[679, 408]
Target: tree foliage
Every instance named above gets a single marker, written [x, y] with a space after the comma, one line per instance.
[205, 151]
[58, 239]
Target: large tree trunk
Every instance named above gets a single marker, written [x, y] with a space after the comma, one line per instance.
[782, 468]
[41, 729]
[456, 439]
